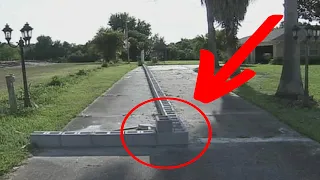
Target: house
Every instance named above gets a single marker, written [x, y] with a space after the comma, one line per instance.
[274, 44]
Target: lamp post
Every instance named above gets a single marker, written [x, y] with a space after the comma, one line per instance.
[26, 32]
[310, 32]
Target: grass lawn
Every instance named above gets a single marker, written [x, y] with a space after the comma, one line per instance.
[57, 104]
[261, 89]
[37, 74]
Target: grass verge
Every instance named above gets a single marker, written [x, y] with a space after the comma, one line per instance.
[59, 99]
[261, 89]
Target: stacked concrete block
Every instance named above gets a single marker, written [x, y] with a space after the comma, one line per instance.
[172, 138]
[106, 139]
[163, 124]
[170, 129]
[46, 139]
[75, 139]
[140, 138]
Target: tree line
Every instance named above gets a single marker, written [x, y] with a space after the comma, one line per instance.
[109, 44]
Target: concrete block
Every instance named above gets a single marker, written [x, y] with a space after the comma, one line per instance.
[161, 117]
[146, 127]
[76, 139]
[163, 125]
[106, 139]
[176, 138]
[140, 138]
[45, 139]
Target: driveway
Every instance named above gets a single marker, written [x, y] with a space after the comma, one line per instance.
[248, 143]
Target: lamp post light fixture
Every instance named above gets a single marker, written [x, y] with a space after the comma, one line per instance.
[26, 33]
[310, 32]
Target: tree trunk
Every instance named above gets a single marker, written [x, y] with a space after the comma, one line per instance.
[231, 45]
[212, 46]
[290, 85]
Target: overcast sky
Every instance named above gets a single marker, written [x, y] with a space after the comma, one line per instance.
[77, 21]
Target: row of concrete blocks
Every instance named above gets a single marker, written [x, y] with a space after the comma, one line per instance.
[75, 139]
[153, 87]
[164, 123]
[169, 124]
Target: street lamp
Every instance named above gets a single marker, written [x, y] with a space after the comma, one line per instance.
[310, 32]
[26, 33]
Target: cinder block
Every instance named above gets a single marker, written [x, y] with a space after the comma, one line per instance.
[140, 138]
[163, 125]
[146, 127]
[176, 138]
[46, 139]
[76, 139]
[106, 139]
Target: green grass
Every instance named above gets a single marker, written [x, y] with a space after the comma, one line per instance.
[261, 89]
[38, 74]
[57, 105]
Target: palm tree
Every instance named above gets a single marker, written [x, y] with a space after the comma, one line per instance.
[211, 30]
[229, 14]
[290, 85]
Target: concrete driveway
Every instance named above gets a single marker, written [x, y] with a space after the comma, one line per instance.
[248, 143]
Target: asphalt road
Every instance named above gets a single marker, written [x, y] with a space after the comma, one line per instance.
[248, 143]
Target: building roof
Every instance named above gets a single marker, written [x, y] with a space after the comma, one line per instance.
[275, 34]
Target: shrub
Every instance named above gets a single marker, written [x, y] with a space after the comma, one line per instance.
[154, 60]
[312, 61]
[276, 61]
[105, 64]
[56, 81]
[266, 58]
[81, 72]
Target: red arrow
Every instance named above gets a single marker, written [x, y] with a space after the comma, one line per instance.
[210, 87]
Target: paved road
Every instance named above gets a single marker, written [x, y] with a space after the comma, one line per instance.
[248, 143]
[108, 111]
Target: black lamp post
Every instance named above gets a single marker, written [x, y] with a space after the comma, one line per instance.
[311, 32]
[26, 32]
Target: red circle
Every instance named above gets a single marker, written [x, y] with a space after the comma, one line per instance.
[173, 166]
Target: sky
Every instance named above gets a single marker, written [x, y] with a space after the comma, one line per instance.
[77, 21]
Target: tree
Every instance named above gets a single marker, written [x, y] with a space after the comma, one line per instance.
[43, 48]
[108, 42]
[159, 47]
[309, 9]
[212, 46]
[290, 85]
[229, 14]
[117, 21]
[7, 53]
[139, 32]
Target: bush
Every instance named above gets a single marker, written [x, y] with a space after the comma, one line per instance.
[81, 57]
[81, 72]
[312, 61]
[276, 61]
[154, 60]
[56, 81]
[105, 64]
[266, 58]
